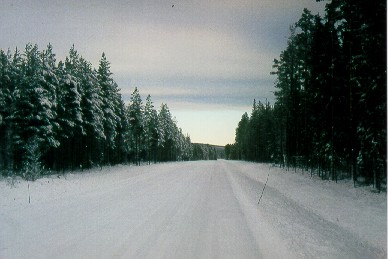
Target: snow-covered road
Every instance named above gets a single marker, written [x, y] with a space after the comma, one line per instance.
[204, 209]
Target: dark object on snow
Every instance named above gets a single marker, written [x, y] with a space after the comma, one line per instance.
[263, 189]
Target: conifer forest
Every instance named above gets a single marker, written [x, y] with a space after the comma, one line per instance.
[330, 110]
[66, 115]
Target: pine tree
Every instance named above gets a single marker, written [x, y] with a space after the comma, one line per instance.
[50, 85]
[123, 131]
[110, 100]
[188, 149]
[136, 121]
[33, 114]
[93, 115]
[70, 114]
[166, 136]
[150, 129]
[242, 136]
[6, 104]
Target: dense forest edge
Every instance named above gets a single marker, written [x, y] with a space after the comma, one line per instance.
[66, 115]
[330, 112]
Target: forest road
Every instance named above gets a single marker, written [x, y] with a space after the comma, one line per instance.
[206, 209]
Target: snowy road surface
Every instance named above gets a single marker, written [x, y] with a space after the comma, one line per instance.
[204, 209]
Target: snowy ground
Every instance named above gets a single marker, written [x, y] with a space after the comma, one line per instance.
[202, 209]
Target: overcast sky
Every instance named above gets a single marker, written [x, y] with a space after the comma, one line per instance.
[207, 60]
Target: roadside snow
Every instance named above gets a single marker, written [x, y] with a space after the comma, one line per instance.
[205, 209]
[357, 210]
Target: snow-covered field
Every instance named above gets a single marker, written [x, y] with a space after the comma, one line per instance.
[204, 209]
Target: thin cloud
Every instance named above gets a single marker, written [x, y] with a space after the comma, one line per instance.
[199, 55]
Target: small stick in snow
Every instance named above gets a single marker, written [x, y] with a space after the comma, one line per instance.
[263, 189]
[29, 196]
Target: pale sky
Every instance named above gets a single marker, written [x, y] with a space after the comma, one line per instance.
[207, 60]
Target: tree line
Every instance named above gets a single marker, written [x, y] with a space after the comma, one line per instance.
[67, 115]
[330, 108]
[204, 152]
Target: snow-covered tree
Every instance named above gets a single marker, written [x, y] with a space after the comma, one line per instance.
[123, 132]
[136, 122]
[150, 129]
[70, 114]
[166, 129]
[50, 84]
[110, 100]
[188, 149]
[33, 114]
[6, 104]
[5, 95]
[93, 115]
[172, 145]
